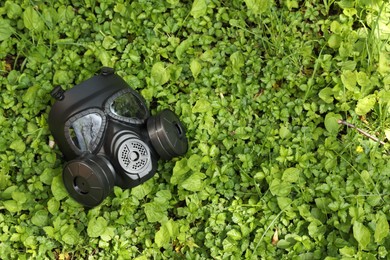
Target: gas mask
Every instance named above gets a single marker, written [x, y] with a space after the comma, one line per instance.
[106, 134]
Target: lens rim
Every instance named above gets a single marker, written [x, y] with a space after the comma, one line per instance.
[96, 144]
[131, 120]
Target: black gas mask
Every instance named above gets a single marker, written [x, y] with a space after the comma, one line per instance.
[105, 131]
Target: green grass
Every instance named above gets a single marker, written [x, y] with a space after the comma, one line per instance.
[259, 85]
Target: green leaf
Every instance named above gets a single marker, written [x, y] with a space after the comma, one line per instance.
[284, 202]
[155, 212]
[194, 162]
[5, 30]
[108, 234]
[334, 41]
[50, 16]
[174, 72]
[258, 6]
[70, 236]
[279, 188]
[362, 79]
[284, 132]
[237, 61]
[159, 74]
[361, 234]
[147, 93]
[182, 48]
[30, 241]
[349, 12]
[19, 197]
[109, 42]
[201, 106]
[194, 182]
[47, 176]
[291, 175]
[173, 2]
[162, 237]
[199, 8]
[172, 227]
[13, 10]
[326, 94]
[32, 20]
[316, 229]
[374, 200]
[207, 56]
[291, 4]
[195, 67]
[12, 206]
[96, 227]
[53, 206]
[384, 98]
[322, 203]
[347, 251]
[381, 228]
[284, 244]
[357, 213]
[58, 188]
[331, 122]
[348, 65]
[387, 133]
[50, 231]
[349, 80]
[365, 105]
[105, 58]
[336, 27]
[368, 256]
[8, 192]
[179, 171]
[163, 196]
[384, 63]
[18, 145]
[168, 231]
[66, 13]
[120, 8]
[234, 234]
[142, 190]
[40, 218]
[30, 95]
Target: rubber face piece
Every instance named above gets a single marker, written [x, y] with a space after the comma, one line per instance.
[89, 179]
[167, 135]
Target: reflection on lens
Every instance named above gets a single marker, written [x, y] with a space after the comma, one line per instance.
[84, 131]
[127, 105]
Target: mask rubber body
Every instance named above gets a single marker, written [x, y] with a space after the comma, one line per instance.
[106, 134]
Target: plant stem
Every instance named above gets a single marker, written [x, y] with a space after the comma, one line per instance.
[361, 131]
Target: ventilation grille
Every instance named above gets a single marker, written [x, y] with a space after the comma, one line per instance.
[133, 156]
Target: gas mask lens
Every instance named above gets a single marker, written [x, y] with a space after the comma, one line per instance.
[127, 106]
[84, 130]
